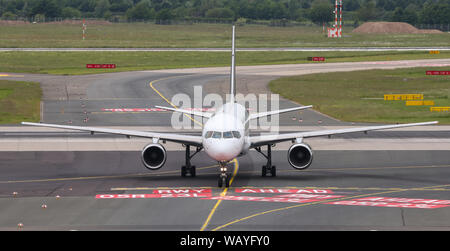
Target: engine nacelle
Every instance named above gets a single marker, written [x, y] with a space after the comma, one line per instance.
[154, 156]
[300, 156]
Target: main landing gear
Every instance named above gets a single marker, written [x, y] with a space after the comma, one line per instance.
[188, 168]
[224, 179]
[268, 168]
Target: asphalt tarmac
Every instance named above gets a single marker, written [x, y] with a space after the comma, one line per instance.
[61, 190]
[362, 184]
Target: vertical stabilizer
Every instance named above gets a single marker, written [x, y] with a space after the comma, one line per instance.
[233, 69]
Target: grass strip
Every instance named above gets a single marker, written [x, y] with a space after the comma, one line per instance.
[148, 35]
[74, 63]
[19, 101]
[358, 96]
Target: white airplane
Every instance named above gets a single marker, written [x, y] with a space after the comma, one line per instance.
[225, 136]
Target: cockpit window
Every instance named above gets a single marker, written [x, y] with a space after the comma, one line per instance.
[236, 134]
[227, 135]
[217, 135]
[208, 134]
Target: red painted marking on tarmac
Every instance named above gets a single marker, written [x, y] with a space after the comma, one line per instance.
[289, 196]
[309, 196]
[149, 196]
[182, 191]
[260, 199]
[407, 200]
[395, 202]
[307, 191]
[385, 204]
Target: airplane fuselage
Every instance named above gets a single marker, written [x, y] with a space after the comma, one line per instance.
[225, 135]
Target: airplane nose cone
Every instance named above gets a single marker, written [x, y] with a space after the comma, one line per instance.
[223, 151]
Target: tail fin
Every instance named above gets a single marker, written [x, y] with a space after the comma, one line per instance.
[233, 69]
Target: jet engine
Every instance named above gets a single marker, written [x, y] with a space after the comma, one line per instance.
[300, 156]
[154, 156]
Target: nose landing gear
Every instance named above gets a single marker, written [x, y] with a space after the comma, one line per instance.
[224, 178]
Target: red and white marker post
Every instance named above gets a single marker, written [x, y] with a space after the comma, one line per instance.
[336, 31]
[84, 29]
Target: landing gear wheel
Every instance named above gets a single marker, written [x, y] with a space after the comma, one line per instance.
[273, 171]
[220, 183]
[192, 171]
[268, 167]
[188, 167]
[224, 180]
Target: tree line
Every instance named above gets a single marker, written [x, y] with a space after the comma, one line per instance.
[316, 11]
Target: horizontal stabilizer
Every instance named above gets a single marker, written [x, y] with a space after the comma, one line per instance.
[192, 112]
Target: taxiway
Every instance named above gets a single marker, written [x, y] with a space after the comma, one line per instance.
[54, 179]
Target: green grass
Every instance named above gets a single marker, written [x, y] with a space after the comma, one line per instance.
[75, 62]
[358, 96]
[19, 101]
[141, 35]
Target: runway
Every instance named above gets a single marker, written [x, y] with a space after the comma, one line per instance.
[61, 180]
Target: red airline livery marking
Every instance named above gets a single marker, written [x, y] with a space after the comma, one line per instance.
[149, 196]
[307, 191]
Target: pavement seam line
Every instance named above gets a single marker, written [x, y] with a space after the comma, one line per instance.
[98, 177]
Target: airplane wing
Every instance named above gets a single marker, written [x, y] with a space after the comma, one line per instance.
[272, 139]
[265, 114]
[196, 113]
[178, 138]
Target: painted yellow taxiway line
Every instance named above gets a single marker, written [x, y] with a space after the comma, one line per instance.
[320, 202]
[224, 193]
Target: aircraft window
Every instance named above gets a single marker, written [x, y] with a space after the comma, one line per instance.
[236, 134]
[208, 134]
[217, 135]
[227, 135]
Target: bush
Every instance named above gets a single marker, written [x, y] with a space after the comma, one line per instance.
[219, 13]
[8, 16]
[70, 12]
